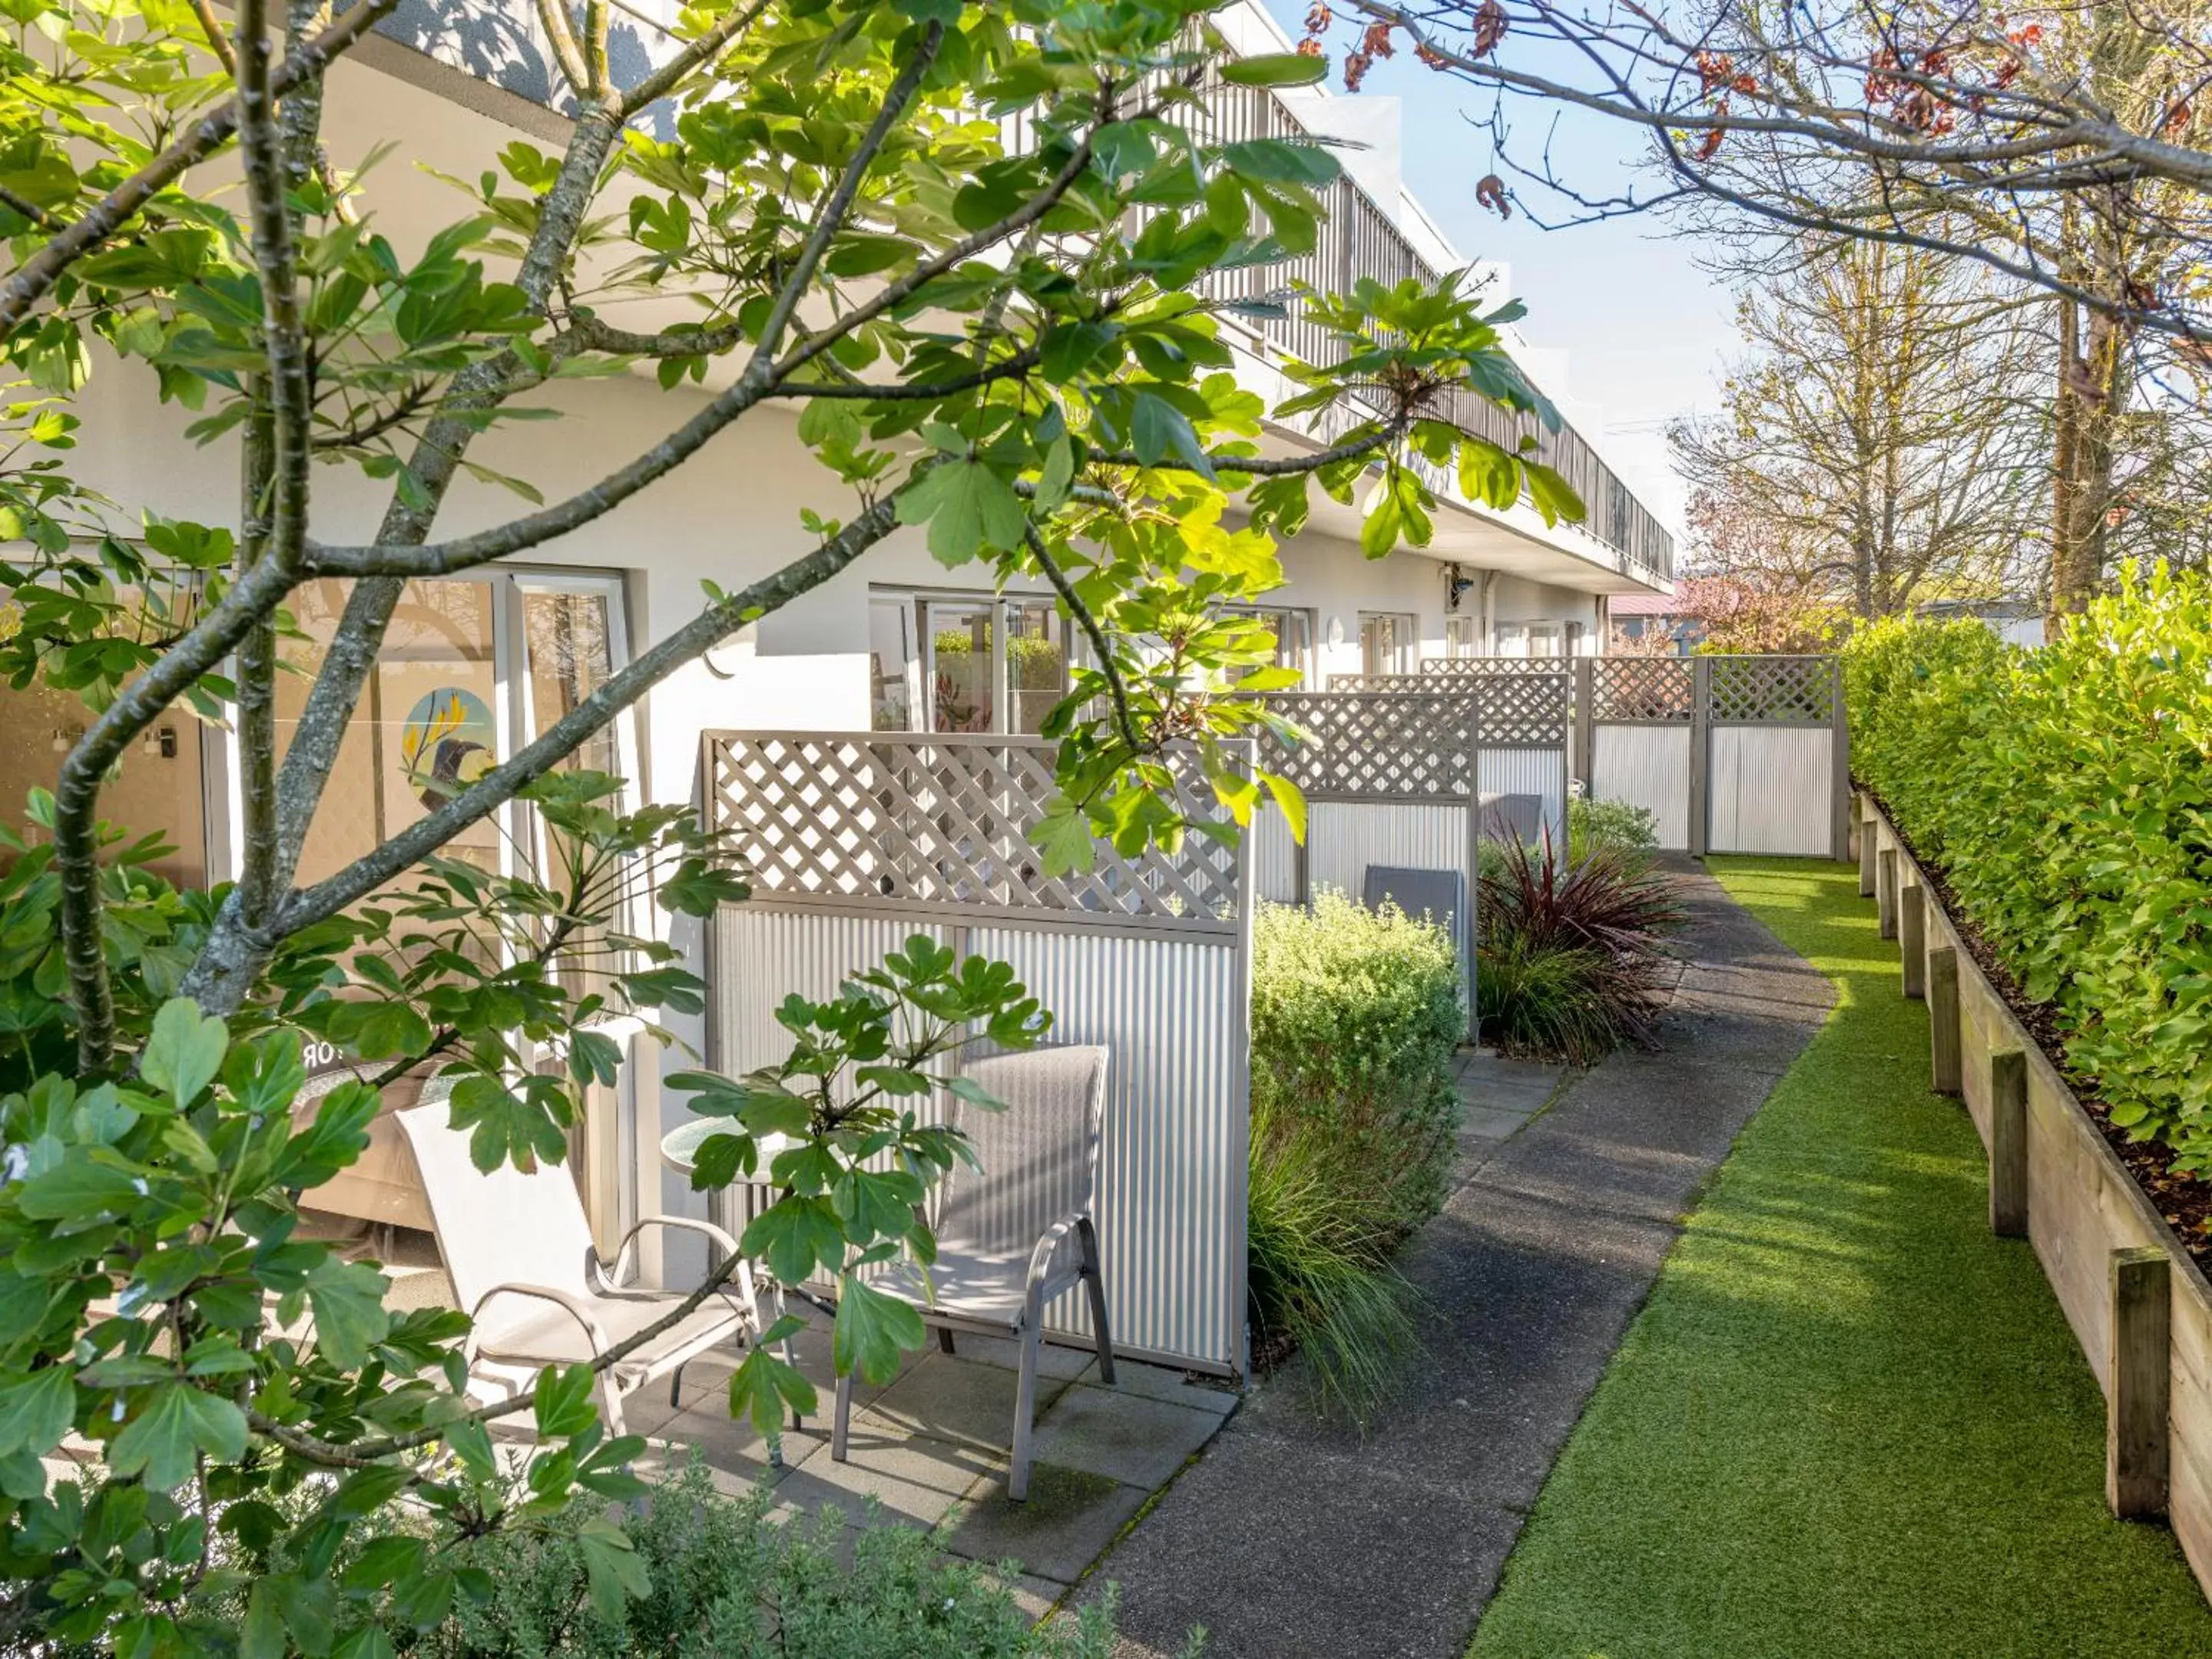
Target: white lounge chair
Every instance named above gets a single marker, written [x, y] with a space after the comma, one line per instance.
[520, 1253]
[1014, 1235]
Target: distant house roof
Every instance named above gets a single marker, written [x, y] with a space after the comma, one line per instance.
[1645, 605]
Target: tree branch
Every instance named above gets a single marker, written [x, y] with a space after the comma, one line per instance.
[30, 281]
[1125, 722]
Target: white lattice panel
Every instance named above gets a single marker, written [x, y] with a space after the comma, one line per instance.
[932, 822]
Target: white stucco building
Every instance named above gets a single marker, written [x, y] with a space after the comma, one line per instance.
[895, 640]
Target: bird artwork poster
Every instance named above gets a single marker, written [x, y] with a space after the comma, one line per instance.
[447, 744]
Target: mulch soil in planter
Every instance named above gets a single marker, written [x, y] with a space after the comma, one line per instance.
[2182, 1199]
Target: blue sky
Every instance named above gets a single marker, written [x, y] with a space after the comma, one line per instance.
[1646, 332]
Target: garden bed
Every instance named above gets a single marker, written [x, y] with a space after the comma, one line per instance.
[2090, 1217]
[2183, 1199]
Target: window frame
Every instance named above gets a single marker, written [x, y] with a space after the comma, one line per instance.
[922, 666]
[1406, 642]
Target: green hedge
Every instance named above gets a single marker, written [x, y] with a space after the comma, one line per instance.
[2065, 794]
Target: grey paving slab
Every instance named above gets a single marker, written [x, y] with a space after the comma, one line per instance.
[1060, 1361]
[1493, 1082]
[1291, 1535]
[1068, 1519]
[914, 1480]
[1101, 1431]
[943, 1398]
[1218, 1396]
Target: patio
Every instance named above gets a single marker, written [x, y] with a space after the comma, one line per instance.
[929, 1449]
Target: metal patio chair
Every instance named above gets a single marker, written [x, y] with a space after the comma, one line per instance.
[1018, 1232]
[521, 1257]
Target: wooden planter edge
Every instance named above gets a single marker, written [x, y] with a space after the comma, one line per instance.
[2137, 1302]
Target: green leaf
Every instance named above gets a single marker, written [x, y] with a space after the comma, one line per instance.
[180, 1420]
[78, 1190]
[763, 1385]
[1280, 162]
[1290, 799]
[36, 1413]
[969, 509]
[873, 1329]
[184, 1052]
[1159, 429]
[1276, 68]
[864, 255]
[347, 1298]
[1379, 531]
[611, 1567]
[1553, 496]
[1062, 838]
[794, 1235]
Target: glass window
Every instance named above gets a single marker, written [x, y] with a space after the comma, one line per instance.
[961, 678]
[1387, 643]
[1544, 638]
[1512, 639]
[1460, 636]
[568, 648]
[964, 663]
[470, 669]
[427, 725]
[1037, 664]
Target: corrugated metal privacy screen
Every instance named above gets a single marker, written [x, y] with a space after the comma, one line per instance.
[857, 839]
[1731, 754]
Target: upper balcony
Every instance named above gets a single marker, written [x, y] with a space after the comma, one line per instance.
[492, 56]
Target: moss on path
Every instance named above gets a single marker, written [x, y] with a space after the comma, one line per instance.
[1848, 1421]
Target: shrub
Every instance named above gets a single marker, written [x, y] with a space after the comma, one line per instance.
[711, 1576]
[1551, 1003]
[2066, 797]
[1355, 1017]
[1569, 968]
[1620, 824]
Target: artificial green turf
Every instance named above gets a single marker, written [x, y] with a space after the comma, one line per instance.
[1849, 1421]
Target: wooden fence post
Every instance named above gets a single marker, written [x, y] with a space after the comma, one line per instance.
[2139, 1382]
[1885, 895]
[1842, 814]
[1912, 938]
[1869, 844]
[1701, 755]
[1585, 762]
[1943, 1032]
[2008, 1143]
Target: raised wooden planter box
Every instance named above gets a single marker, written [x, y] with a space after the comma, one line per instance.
[2138, 1304]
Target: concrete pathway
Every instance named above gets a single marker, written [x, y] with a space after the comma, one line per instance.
[1290, 1537]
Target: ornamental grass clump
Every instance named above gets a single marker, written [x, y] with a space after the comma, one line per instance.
[1572, 952]
[1355, 1017]
[2064, 797]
